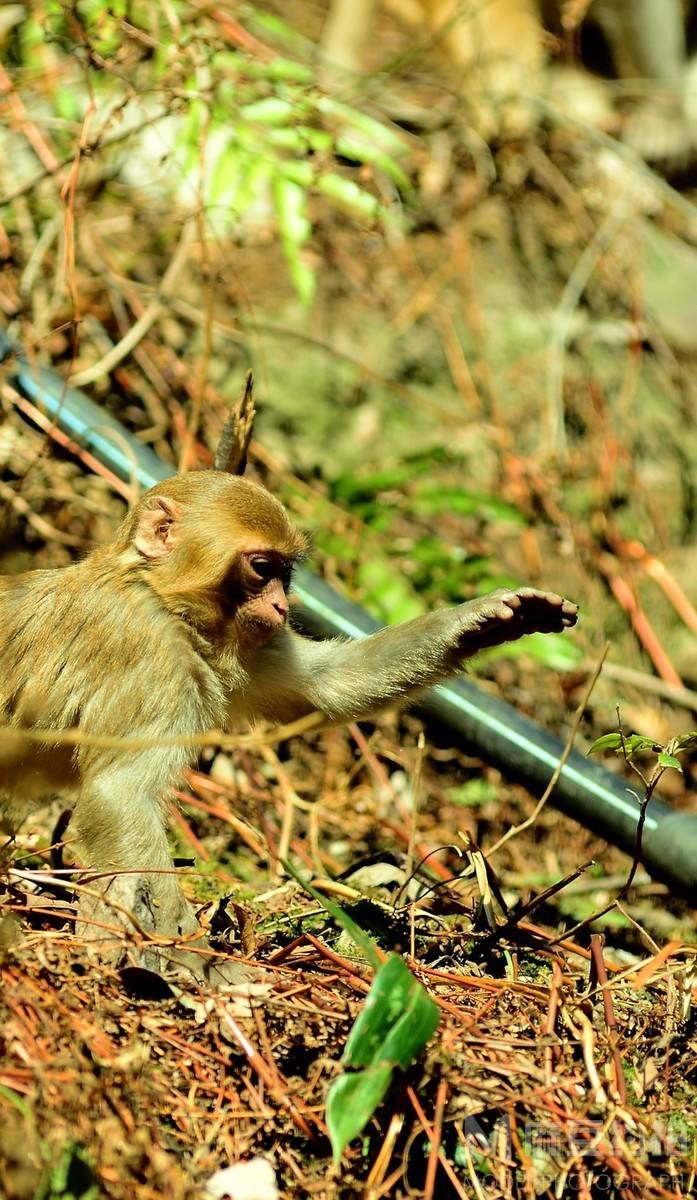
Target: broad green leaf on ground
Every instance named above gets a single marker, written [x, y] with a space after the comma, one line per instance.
[352, 1100]
[398, 1019]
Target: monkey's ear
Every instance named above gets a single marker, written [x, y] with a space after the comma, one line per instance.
[156, 531]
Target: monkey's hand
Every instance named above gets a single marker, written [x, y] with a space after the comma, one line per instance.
[508, 613]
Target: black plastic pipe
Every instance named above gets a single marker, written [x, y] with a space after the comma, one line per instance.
[485, 726]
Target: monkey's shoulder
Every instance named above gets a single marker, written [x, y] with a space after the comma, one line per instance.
[90, 642]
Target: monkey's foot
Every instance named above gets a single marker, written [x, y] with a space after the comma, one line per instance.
[127, 925]
[510, 613]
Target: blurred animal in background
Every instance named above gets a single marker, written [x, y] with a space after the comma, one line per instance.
[501, 49]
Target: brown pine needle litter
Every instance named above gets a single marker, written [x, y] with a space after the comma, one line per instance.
[549, 1074]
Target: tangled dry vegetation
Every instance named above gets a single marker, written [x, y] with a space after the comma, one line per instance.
[565, 1063]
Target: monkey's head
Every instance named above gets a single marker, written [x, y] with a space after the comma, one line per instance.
[218, 549]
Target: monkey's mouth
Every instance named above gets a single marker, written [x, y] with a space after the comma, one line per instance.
[258, 627]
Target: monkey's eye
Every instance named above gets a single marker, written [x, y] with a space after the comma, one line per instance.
[267, 567]
[264, 568]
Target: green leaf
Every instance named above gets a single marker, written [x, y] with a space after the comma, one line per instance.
[607, 741]
[351, 1102]
[71, 1178]
[317, 139]
[686, 741]
[669, 760]
[228, 64]
[629, 742]
[284, 69]
[377, 132]
[475, 791]
[225, 175]
[360, 151]
[290, 200]
[285, 138]
[266, 25]
[190, 135]
[397, 1020]
[301, 173]
[636, 741]
[269, 111]
[349, 194]
[20, 1104]
[303, 276]
[254, 172]
[67, 104]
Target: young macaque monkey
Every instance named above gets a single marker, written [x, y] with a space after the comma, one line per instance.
[178, 626]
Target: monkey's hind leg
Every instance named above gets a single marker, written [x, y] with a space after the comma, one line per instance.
[133, 903]
[133, 909]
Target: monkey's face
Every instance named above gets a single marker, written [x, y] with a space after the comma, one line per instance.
[257, 594]
[219, 550]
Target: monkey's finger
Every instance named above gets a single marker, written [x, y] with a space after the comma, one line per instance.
[534, 599]
[569, 613]
[535, 595]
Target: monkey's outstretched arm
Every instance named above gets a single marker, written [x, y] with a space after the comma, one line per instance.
[345, 680]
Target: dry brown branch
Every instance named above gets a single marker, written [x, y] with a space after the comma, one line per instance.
[11, 739]
[155, 308]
